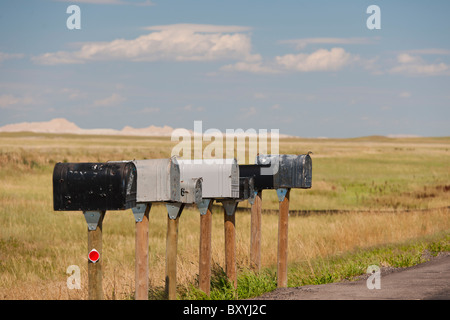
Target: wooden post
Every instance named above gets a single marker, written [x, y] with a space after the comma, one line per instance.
[255, 237]
[95, 274]
[230, 243]
[173, 218]
[204, 272]
[283, 241]
[171, 258]
[141, 247]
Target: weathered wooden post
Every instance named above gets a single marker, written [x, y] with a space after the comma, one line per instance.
[94, 188]
[95, 254]
[255, 232]
[204, 269]
[141, 215]
[282, 250]
[229, 207]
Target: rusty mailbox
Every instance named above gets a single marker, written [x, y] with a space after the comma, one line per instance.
[94, 186]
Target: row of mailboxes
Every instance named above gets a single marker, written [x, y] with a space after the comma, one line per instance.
[123, 185]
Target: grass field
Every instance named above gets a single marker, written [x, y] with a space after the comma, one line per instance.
[393, 193]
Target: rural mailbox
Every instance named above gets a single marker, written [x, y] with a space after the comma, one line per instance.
[220, 178]
[158, 180]
[279, 171]
[292, 171]
[94, 186]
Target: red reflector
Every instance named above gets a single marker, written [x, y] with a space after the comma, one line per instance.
[94, 256]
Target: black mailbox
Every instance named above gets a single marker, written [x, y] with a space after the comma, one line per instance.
[279, 171]
[94, 186]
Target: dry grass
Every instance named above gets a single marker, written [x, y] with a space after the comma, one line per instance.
[383, 176]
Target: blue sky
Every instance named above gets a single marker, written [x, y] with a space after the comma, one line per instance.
[307, 68]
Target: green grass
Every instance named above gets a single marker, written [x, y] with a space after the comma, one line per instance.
[323, 270]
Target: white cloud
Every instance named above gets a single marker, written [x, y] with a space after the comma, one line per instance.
[302, 43]
[112, 100]
[7, 56]
[415, 65]
[254, 67]
[180, 42]
[320, 60]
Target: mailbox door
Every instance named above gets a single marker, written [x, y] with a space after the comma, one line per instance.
[94, 186]
[191, 190]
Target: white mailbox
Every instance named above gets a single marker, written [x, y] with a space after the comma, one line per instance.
[220, 177]
[158, 180]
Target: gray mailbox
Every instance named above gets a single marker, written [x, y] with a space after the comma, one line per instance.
[220, 181]
[220, 177]
[158, 180]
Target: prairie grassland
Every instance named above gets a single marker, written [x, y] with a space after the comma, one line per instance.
[383, 184]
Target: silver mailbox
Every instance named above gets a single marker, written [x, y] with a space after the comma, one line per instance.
[191, 190]
[220, 177]
[158, 180]
[288, 170]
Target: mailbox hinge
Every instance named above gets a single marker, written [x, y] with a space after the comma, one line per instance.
[140, 210]
[174, 209]
[203, 206]
[230, 206]
[281, 193]
[93, 218]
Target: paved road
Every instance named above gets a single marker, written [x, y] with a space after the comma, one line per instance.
[429, 280]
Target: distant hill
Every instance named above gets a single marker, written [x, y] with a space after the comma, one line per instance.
[61, 125]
